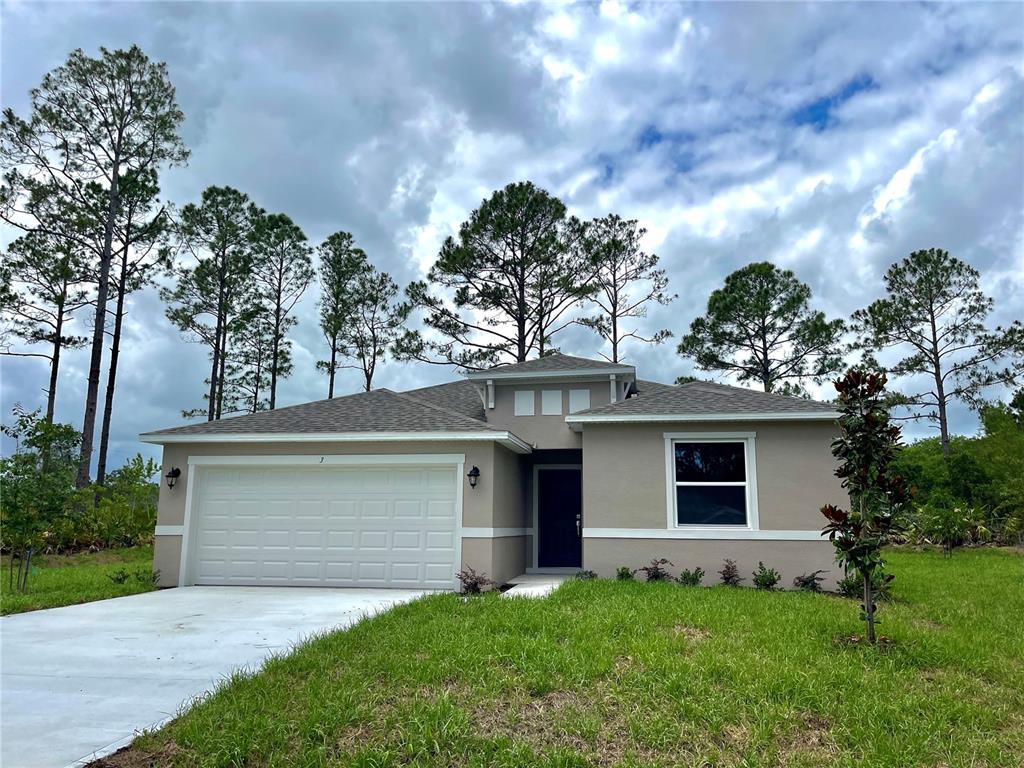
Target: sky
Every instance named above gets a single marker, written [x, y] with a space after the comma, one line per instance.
[831, 139]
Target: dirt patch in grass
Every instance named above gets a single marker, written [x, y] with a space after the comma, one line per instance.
[809, 743]
[133, 757]
[690, 633]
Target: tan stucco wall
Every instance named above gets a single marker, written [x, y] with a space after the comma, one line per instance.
[537, 430]
[497, 501]
[790, 558]
[624, 473]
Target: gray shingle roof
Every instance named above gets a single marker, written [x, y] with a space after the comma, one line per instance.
[705, 397]
[378, 411]
[554, 364]
[460, 396]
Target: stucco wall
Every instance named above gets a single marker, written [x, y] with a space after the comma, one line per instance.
[790, 558]
[538, 430]
[624, 473]
[497, 501]
[624, 487]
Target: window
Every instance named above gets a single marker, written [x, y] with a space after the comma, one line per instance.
[551, 402]
[579, 400]
[524, 405]
[712, 483]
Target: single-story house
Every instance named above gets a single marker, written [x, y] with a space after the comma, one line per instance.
[551, 465]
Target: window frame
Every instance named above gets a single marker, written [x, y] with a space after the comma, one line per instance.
[550, 394]
[522, 395]
[750, 471]
[577, 395]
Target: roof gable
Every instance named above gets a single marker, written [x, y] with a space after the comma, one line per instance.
[553, 365]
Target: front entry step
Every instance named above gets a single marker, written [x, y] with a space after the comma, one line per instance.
[535, 584]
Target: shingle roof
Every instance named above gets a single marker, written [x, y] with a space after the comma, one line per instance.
[705, 397]
[460, 396]
[378, 411]
[554, 364]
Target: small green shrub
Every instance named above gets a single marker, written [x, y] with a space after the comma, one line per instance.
[765, 578]
[586, 575]
[690, 578]
[473, 583]
[730, 573]
[147, 576]
[809, 582]
[120, 576]
[852, 586]
[624, 573]
[656, 571]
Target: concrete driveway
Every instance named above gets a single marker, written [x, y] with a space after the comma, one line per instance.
[78, 682]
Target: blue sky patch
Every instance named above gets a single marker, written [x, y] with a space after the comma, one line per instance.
[818, 112]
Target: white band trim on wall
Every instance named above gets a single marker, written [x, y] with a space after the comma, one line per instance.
[702, 533]
[495, 533]
[169, 530]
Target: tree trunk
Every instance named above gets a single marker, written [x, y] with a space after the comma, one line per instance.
[51, 390]
[615, 337]
[275, 351]
[334, 363]
[943, 418]
[211, 411]
[223, 344]
[115, 351]
[96, 360]
[869, 608]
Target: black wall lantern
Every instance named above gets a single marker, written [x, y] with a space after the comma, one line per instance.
[172, 476]
[473, 475]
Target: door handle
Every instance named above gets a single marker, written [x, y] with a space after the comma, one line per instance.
[579, 524]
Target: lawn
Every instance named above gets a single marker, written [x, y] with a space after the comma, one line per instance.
[605, 674]
[80, 578]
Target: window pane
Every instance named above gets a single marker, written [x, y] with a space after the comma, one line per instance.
[711, 504]
[709, 463]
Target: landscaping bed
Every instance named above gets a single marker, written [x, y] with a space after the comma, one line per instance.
[57, 580]
[607, 673]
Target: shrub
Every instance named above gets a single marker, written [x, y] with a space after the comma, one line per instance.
[656, 571]
[120, 576]
[730, 573]
[624, 573]
[809, 582]
[950, 526]
[586, 575]
[474, 583]
[852, 586]
[147, 576]
[765, 578]
[690, 578]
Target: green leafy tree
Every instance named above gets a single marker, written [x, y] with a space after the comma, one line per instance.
[92, 121]
[38, 482]
[514, 271]
[376, 324]
[126, 515]
[247, 377]
[42, 278]
[866, 449]
[341, 263]
[934, 312]
[208, 300]
[627, 280]
[760, 327]
[283, 271]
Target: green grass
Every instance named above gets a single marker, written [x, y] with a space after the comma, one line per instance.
[58, 580]
[605, 673]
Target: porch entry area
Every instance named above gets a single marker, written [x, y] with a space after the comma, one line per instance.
[558, 517]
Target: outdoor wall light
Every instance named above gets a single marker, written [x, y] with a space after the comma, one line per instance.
[172, 476]
[473, 475]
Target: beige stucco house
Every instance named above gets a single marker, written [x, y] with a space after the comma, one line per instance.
[553, 464]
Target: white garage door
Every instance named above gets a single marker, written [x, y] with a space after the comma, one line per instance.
[340, 526]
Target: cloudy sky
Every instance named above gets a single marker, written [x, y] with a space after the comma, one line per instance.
[832, 139]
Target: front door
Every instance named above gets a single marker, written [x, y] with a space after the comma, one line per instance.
[559, 517]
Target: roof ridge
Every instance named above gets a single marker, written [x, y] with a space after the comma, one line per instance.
[758, 391]
[446, 411]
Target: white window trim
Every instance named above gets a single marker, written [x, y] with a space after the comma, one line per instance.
[577, 395]
[750, 461]
[546, 408]
[516, 401]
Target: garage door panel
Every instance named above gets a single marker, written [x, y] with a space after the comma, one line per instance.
[331, 526]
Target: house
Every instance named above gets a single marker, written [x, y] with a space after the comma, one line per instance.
[553, 464]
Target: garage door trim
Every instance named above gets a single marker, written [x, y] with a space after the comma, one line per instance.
[456, 460]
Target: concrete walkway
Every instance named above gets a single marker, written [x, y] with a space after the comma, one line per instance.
[78, 682]
[535, 584]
